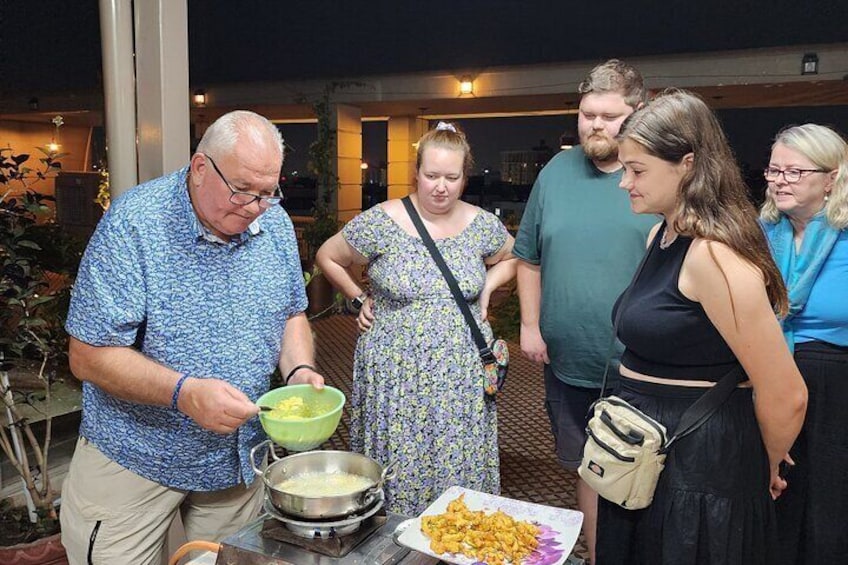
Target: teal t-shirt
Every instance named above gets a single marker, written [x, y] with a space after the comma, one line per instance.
[579, 227]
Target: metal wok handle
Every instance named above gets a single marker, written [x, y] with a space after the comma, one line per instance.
[259, 472]
[389, 473]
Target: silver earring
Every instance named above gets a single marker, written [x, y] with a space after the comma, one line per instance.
[826, 197]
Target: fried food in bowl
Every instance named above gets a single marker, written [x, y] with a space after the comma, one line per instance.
[303, 417]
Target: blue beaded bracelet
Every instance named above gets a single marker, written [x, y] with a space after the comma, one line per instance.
[176, 395]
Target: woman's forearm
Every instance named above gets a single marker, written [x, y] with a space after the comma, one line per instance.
[333, 258]
[501, 273]
[780, 421]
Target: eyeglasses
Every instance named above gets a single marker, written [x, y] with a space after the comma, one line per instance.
[244, 198]
[789, 175]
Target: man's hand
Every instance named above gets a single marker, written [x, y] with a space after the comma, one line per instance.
[533, 346]
[307, 376]
[366, 315]
[215, 405]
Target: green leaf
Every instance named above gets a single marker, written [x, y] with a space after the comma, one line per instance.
[28, 244]
[41, 300]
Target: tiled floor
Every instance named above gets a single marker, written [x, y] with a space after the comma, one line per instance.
[529, 470]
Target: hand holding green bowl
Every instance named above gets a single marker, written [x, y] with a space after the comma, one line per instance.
[305, 425]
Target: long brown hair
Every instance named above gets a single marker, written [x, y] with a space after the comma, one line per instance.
[713, 202]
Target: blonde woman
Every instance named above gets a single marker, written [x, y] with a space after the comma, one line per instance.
[418, 394]
[805, 216]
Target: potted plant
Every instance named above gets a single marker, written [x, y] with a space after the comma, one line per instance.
[37, 264]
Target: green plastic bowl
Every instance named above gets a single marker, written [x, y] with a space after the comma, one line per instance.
[307, 433]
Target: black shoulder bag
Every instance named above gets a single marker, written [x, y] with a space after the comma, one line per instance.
[495, 356]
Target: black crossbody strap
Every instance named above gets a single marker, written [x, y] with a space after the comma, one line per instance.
[485, 352]
[707, 403]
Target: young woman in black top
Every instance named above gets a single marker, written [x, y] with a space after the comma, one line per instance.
[704, 303]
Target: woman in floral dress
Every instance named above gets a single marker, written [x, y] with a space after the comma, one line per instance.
[418, 395]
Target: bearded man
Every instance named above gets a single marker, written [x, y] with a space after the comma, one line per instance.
[578, 245]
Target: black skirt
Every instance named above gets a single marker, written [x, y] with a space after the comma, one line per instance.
[811, 511]
[712, 504]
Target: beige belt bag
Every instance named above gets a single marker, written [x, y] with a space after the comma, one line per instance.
[625, 450]
[624, 453]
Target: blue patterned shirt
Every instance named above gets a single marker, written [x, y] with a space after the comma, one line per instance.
[205, 307]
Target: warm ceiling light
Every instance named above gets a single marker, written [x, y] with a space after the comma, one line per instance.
[466, 85]
[199, 98]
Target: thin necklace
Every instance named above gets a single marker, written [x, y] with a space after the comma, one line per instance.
[666, 243]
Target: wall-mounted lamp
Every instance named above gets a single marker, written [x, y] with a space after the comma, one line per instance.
[199, 98]
[810, 64]
[466, 86]
[32, 103]
[54, 146]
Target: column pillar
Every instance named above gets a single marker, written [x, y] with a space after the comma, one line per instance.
[161, 33]
[348, 127]
[403, 132]
[116, 33]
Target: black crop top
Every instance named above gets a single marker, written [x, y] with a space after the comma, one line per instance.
[666, 334]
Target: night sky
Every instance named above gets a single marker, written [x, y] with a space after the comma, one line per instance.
[338, 38]
[54, 45]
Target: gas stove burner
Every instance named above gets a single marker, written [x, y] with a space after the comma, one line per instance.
[324, 529]
[267, 541]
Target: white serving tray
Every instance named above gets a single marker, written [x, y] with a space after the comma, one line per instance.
[560, 527]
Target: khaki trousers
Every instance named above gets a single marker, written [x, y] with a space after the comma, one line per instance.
[112, 516]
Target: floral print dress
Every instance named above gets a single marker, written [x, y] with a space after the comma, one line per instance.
[418, 395]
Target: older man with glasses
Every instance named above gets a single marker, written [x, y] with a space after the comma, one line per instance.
[189, 295]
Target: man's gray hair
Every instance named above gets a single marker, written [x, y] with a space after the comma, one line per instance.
[221, 137]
